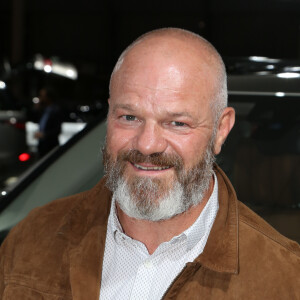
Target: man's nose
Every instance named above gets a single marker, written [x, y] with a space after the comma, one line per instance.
[150, 139]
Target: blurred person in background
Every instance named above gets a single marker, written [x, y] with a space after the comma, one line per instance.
[50, 121]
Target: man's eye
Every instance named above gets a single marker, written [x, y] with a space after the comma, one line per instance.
[129, 118]
[178, 124]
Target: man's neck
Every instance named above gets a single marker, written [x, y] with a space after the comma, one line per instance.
[152, 234]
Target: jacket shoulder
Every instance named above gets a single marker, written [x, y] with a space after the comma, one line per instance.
[39, 246]
[44, 222]
[41, 223]
[251, 222]
[50, 214]
[268, 261]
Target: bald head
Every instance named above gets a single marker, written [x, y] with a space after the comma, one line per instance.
[183, 47]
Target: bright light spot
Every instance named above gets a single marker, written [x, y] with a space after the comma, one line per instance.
[2, 85]
[64, 70]
[13, 120]
[263, 59]
[288, 75]
[38, 65]
[24, 157]
[35, 100]
[257, 58]
[270, 67]
[84, 108]
[263, 73]
[47, 68]
[3, 193]
[70, 73]
[279, 94]
[292, 69]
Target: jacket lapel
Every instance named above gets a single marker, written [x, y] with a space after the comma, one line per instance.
[85, 229]
[86, 265]
[221, 251]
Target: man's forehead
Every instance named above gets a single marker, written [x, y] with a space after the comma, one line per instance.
[169, 47]
[164, 78]
[157, 53]
[169, 65]
[185, 102]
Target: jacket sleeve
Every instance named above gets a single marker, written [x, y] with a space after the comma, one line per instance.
[6, 255]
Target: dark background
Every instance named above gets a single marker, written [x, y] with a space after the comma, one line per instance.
[93, 33]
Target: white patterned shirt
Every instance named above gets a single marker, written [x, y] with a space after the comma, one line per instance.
[130, 272]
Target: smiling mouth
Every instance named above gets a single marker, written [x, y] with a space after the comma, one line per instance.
[152, 168]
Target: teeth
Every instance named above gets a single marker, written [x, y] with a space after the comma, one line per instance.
[151, 168]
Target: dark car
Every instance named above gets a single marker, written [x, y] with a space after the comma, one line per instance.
[264, 146]
[14, 156]
[19, 117]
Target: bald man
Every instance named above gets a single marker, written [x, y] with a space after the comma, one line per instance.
[165, 222]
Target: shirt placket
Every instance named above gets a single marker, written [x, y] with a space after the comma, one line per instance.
[143, 281]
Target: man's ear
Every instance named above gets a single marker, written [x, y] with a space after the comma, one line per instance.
[225, 124]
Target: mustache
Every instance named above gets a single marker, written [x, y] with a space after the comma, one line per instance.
[158, 159]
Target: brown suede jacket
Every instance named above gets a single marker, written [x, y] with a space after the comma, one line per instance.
[57, 251]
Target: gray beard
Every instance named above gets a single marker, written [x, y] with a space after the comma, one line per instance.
[151, 199]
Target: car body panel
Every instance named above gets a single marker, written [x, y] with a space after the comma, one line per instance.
[62, 178]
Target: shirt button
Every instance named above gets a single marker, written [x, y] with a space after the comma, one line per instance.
[148, 264]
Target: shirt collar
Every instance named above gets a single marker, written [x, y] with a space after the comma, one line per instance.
[198, 229]
[193, 234]
[113, 221]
